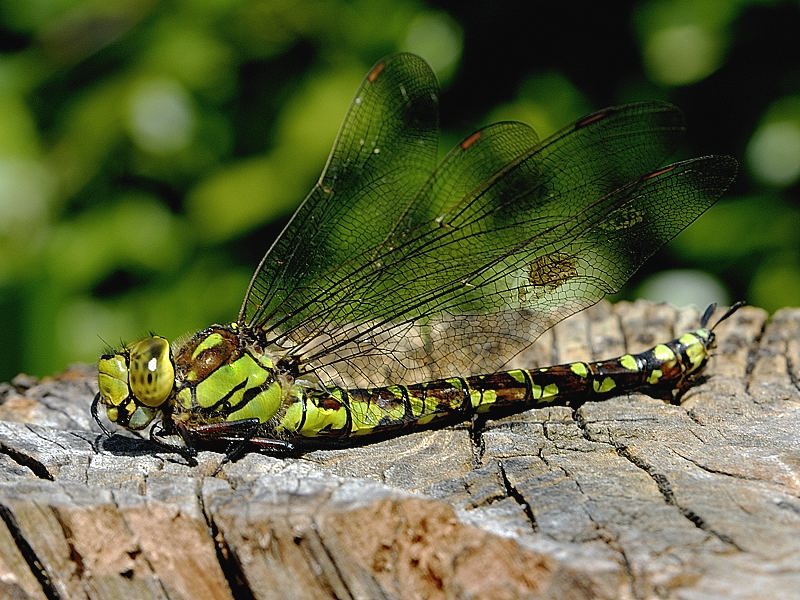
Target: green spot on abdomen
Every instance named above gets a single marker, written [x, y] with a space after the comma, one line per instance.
[456, 383]
[420, 406]
[517, 376]
[550, 391]
[426, 419]
[663, 353]
[396, 391]
[475, 398]
[368, 416]
[604, 386]
[580, 369]
[482, 399]
[628, 362]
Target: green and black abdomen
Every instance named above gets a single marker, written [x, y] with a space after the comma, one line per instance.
[360, 412]
[665, 366]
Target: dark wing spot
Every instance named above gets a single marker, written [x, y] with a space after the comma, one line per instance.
[552, 270]
[624, 217]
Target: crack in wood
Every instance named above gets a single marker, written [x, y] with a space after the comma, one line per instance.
[695, 419]
[311, 548]
[751, 357]
[792, 370]
[226, 556]
[794, 375]
[665, 488]
[583, 429]
[29, 554]
[139, 553]
[708, 469]
[513, 493]
[476, 428]
[331, 557]
[27, 461]
[785, 505]
[35, 431]
[612, 541]
[69, 539]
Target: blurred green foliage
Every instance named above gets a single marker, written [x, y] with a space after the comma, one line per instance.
[151, 151]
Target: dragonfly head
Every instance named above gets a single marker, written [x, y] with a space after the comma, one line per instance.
[135, 382]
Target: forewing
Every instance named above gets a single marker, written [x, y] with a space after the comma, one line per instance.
[384, 152]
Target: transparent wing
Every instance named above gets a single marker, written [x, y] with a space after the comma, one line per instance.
[385, 151]
[506, 237]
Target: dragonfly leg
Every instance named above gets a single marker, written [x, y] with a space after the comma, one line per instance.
[273, 446]
[240, 436]
[187, 451]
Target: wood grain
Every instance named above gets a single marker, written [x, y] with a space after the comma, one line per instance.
[627, 498]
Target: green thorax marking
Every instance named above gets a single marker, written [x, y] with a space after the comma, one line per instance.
[222, 377]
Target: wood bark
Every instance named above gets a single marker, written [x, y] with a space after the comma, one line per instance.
[631, 497]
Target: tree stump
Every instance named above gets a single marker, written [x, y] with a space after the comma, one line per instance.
[631, 497]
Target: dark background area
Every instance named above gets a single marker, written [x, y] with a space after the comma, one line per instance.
[151, 151]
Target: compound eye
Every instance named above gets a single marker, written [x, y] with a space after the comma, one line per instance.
[151, 373]
[112, 379]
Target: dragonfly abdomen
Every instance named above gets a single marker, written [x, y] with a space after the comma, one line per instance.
[665, 366]
[364, 411]
[367, 411]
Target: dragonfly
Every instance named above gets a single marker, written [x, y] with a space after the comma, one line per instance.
[399, 279]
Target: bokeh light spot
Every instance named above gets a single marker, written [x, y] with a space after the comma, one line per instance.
[437, 38]
[683, 287]
[26, 189]
[773, 153]
[682, 54]
[161, 117]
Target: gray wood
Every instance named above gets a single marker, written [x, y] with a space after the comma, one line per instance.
[628, 498]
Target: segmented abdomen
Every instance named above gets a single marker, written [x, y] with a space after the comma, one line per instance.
[358, 412]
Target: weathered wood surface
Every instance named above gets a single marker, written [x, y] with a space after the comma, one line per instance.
[628, 498]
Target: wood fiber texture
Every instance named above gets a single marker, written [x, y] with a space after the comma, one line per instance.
[631, 497]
